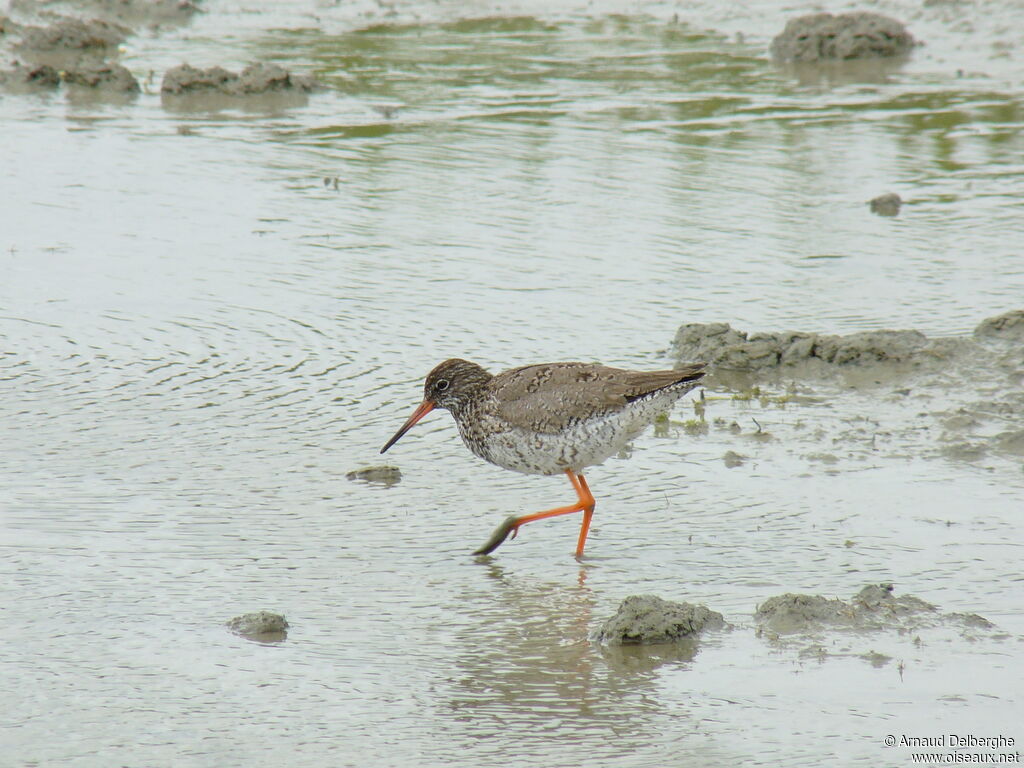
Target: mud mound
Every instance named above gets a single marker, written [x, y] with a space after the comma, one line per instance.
[649, 620]
[22, 79]
[384, 474]
[725, 347]
[256, 79]
[1008, 326]
[69, 42]
[874, 608]
[809, 353]
[99, 79]
[132, 13]
[824, 37]
[888, 204]
[262, 626]
[103, 77]
[895, 391]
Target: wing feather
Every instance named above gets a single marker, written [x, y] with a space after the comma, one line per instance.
[549, 397]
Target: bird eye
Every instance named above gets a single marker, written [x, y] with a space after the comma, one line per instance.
[441, 385]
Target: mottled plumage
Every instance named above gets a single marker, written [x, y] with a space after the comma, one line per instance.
[550, 418]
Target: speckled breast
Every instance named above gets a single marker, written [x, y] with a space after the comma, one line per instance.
[583, 443]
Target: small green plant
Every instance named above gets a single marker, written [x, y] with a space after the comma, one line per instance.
[695, 427]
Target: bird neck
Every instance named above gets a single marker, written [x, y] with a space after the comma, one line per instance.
[473, 395]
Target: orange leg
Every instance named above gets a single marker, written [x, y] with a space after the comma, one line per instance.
[511, 524]
[587, 499]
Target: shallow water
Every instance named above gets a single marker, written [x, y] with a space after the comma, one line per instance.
[202, 339]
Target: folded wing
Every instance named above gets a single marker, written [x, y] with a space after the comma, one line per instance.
[548, 398]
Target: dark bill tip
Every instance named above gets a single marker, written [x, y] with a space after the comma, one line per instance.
[421, 410]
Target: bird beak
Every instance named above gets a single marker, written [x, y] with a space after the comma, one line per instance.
[422, 410]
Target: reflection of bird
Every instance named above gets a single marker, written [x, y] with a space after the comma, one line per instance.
[549, 418]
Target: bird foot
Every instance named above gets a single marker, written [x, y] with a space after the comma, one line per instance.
[510, 525]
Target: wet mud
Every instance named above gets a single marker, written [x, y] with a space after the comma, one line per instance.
[875, 607]
[647, 631]
[840, 401]
[651, 620]
[821, 627]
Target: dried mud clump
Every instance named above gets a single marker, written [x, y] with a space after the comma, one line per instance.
[858, 35]
[649, 620]
[256, 79]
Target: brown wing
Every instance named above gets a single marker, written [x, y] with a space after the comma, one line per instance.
[550, 396]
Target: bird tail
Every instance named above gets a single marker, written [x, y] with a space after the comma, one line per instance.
[691, 373]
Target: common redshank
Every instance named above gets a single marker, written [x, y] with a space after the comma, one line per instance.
[549, 418]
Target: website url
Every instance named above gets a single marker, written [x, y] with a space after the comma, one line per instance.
[959, 758]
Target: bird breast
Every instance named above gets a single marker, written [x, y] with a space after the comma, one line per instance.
[583, 443]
